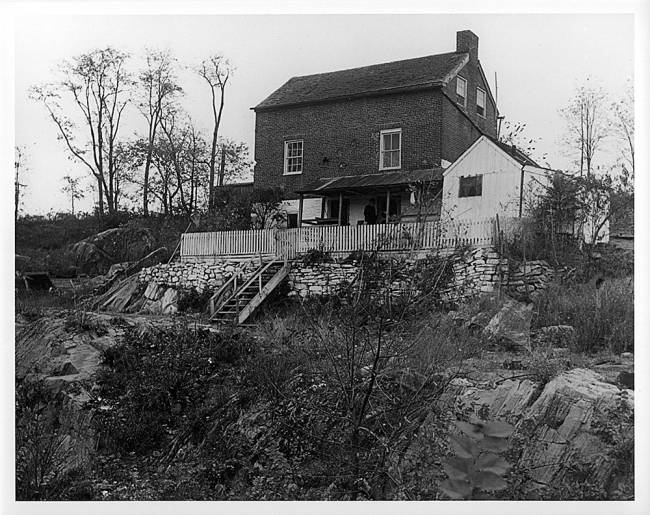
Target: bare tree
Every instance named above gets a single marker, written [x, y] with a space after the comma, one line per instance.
[587, 122]
[20, 170]
[72, 188]
[216, 71]
[97, 83]
[157, 85]
[515, 134]
[624, 126]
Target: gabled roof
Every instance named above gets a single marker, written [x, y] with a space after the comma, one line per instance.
[515, 153]
[517, 157]
[406, 75]
[371, 181]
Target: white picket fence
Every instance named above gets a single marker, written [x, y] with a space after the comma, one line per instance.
[399, 237]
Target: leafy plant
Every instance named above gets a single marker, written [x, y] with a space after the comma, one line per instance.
[477, 467]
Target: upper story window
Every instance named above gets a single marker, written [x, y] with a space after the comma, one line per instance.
[471, 186]
[480, 102]
[461, 91]
[390, 155]
[293, 157]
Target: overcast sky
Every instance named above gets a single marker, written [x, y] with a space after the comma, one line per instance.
[539, 60]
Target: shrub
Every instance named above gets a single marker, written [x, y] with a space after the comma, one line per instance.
[156, 383]
[40, 445]
[190, 300]
[601, 313]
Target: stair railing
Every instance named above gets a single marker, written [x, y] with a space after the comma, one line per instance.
[257, 274]
[233, 289]
[230, 285]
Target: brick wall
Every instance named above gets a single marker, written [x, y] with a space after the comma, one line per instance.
[342, 138]
[459, 133]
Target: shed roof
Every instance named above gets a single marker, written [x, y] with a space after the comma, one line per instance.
[408, 74]
[359, 183]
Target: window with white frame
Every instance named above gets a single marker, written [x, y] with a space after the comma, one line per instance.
[390, 155]
[480, 102]
[461, 91]
[293, 157]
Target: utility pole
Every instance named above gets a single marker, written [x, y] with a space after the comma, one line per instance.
[18, 185]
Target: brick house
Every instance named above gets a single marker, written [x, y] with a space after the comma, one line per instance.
[379, 135]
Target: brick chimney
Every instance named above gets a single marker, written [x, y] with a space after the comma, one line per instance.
[467, 41]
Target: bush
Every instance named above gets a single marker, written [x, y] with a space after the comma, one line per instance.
[190, 300]
[40, 445]
[157, 383]
[602, 313]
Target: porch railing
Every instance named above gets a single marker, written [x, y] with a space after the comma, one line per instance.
[287, 243]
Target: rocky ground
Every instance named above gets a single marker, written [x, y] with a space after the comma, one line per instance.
[570, 410]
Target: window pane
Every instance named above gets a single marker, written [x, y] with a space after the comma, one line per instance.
[461, 86]
[395, 158]
[480, 98]
[385, 160]
[395, 145]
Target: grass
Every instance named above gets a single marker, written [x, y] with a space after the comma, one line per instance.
[601, 313]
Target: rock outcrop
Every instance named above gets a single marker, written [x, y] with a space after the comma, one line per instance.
[510, 327]
[96, 254]
[561, 427]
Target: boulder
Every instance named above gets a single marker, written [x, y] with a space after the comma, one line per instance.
[169, 302]
[97, 253]
[510, 327]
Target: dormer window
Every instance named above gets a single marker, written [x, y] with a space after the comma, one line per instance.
[293, 157]
[480, 102]
[461, 91]
[390, 152]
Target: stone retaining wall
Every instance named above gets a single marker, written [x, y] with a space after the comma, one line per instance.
[197, 276]
[474, 272]
[482, 270]
[320, 278]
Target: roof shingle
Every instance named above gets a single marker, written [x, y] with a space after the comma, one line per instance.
[414, 73]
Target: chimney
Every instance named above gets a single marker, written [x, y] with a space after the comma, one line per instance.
[467, 41]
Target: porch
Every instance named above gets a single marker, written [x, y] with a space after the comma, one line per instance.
[339, 240]
[403, 196]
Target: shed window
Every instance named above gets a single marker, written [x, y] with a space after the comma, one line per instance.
[461, 91]
[390, 155]
[480, 102]
[293, 157]
[471, 186]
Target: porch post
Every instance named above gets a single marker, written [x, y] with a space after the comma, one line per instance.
[340, 207]
[387, 205]
[300, 203]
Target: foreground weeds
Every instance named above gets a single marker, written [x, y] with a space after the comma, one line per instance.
[602, 313]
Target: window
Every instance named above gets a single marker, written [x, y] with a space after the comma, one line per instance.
[390, 156]
[471, 186]
[293, 157]
[461, 91]
[480, 102]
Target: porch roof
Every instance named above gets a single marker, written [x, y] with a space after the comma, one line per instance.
[371, 182]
